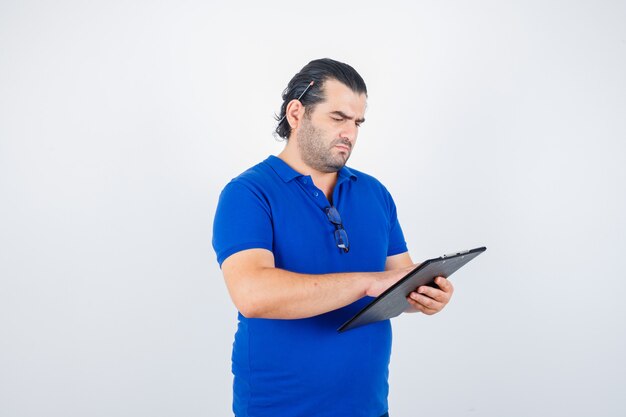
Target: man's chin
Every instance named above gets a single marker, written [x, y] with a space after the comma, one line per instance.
[336, 165]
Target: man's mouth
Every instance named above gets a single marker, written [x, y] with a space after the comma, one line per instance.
[347, 147]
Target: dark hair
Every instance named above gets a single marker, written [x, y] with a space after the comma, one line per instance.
[319, 71]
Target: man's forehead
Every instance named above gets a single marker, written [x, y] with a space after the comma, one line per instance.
[340, 97]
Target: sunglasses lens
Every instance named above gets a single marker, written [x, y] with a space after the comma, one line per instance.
[333, 215]
[342, 239]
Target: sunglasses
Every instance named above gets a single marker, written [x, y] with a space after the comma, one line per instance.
[341, 236]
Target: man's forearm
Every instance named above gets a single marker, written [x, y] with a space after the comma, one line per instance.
[280, 294]
[260, 290]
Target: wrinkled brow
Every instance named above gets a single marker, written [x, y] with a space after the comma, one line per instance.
[345, 116]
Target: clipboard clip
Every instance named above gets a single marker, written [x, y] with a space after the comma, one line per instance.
[449, 255]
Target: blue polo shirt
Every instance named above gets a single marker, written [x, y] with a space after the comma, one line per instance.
[304, 367]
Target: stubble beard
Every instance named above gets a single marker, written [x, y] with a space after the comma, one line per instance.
[314, 152]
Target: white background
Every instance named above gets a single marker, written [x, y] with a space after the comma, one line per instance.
[492, 123]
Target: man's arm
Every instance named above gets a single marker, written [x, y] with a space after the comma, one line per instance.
[260, 290]
[425, 299]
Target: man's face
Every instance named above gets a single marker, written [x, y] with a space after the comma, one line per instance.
[327, 135]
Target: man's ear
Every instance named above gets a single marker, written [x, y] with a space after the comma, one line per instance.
[294, 113]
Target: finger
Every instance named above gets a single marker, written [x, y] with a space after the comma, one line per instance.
[434, 293]
[427, 302]
[444, 284]
[420, 307]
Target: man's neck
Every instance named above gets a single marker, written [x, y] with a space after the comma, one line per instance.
[325, 181]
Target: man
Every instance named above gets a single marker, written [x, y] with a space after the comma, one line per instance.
[303, 241]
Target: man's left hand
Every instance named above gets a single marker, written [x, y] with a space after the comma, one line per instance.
[431, 300]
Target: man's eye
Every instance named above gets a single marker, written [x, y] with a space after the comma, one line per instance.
[335, 119]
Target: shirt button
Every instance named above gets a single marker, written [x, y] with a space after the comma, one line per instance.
[305, 181]
[315, 193]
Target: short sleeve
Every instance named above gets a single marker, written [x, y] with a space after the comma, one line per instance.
[397, 244]
[242, 221]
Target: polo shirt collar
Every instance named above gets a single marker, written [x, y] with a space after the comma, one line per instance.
[287, 173]
[283, 170]
[347, 173]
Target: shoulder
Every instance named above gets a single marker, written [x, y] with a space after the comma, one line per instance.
[257, 174]
[245, 191]
[254, 180]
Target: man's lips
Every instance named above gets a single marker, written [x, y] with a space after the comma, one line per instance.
[343, 147]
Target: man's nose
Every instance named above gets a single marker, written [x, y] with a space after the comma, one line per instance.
[350, 132]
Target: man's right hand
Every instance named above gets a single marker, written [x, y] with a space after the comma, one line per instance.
[383, 280]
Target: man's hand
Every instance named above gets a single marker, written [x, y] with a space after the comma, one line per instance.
[431, 300]
[383, 280]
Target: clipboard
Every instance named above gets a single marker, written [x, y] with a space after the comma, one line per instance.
[392, 302]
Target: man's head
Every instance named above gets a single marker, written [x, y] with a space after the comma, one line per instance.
[325, 120]
[318, 71]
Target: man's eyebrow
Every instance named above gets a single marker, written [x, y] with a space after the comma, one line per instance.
[345, 116]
